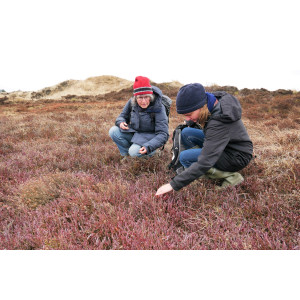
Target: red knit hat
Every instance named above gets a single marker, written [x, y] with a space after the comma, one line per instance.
[142, 86]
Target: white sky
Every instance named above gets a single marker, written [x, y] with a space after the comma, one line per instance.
[253, 44]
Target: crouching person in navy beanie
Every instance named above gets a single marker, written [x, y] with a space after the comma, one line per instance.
[221, 149]
[142, 127]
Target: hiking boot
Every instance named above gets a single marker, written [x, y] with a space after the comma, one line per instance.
[235, 179]
[230, 178]
[124, 158]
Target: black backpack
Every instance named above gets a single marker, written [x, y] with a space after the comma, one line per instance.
[166, 101]
[177, 147]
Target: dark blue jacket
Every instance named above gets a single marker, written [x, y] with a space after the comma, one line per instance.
[150, 125]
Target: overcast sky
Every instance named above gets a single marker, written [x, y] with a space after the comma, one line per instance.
[253, 44]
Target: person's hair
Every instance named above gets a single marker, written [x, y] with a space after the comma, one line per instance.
[150, 95]
[203, 116]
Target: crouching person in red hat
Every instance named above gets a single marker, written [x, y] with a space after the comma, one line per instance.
[221, 149]
[142, 127]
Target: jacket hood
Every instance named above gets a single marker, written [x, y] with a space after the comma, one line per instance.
[157, 91]
[228, 109]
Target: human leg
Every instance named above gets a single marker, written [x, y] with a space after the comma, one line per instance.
[187, 157]
[122, 139]
[230, 177]
[232, 161]
[227, 166]
[192, 137]
[134, 151]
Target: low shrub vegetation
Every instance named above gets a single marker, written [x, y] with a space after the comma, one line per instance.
[64, 186]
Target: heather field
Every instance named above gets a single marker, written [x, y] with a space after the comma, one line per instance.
[63, 186]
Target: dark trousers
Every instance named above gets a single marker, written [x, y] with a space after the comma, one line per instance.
[232, 161]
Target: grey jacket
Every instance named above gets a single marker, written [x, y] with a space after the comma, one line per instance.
[224, 132]
[150, 126]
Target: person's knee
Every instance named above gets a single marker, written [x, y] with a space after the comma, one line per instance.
[185, 132]
[188, 157]
[186, 135]
[134, 150]
[183, 158]
[113, 131]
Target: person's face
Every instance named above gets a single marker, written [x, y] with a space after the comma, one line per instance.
[143, 101]
[193, 116]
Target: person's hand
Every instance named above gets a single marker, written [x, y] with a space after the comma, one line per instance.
[124, 126]
[164, 189]
[143, 150]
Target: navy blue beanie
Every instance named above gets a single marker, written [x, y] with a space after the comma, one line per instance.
[190, 97]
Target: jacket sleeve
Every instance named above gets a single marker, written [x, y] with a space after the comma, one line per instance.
[216, 139]
[124, 115]
[161, 131]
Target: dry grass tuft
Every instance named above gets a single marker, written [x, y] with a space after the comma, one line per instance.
[46, 188]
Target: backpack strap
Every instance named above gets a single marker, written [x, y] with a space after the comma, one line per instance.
[178, 146]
